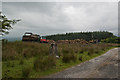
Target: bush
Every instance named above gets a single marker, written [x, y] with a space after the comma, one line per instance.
[44, 63]
[26, 71]
[111, 40]
[69, 57]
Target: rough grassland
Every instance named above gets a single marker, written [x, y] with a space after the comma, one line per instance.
[32, 60]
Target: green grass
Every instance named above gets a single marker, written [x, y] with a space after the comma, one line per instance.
[16, 64]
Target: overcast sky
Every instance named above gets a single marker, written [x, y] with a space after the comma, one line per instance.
[47, 18]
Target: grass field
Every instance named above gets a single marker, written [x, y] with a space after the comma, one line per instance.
[32, 60]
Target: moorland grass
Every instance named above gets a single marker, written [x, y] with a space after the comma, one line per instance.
[30, 59]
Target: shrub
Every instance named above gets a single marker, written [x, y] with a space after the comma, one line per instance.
[26, 71]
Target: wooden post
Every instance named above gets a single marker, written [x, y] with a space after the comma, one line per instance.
[53, 49]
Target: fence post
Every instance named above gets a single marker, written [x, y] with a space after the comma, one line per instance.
[53, 49]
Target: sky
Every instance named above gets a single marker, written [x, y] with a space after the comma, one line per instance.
[46, 18]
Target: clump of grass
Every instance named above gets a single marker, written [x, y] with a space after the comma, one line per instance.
[69, 57]
[81, 51]
[74, 58]
[36, 64]
[26, 71]
[90, 51]
[65, 51]
[76, 51]
[8, 63]
[21, 62]
[96, 51]
[60, 52]
[44, 63]
[80, 58]
[68, 49]
[13, 64]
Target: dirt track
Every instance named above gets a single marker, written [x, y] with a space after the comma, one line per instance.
[104, 66]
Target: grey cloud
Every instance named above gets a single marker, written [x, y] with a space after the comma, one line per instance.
[49, 17]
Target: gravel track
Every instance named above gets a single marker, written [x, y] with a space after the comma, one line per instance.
[104, 66]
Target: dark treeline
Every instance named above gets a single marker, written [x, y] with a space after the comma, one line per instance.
[99, 35]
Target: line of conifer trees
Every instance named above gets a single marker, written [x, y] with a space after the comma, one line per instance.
[99, 35]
